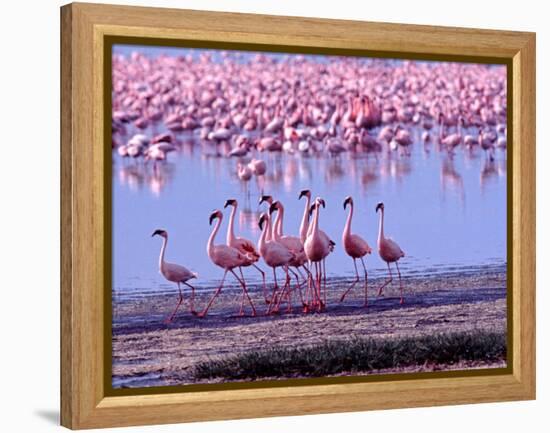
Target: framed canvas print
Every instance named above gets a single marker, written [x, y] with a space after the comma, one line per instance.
[270, 216]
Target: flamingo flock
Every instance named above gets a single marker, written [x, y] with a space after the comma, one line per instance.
[249, 108]
[290, 254]
[237, 105]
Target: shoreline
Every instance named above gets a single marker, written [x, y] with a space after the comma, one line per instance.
[146, 352]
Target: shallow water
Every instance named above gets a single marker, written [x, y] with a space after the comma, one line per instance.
[444, 212]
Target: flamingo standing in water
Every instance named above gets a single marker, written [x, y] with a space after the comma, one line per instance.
[389, 251]
[244, 246]
[356, 247]
[175, 273]
[317, 249]
[227, 258]
[275, 255]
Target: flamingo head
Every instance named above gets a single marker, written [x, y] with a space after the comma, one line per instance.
[347, 201]
[274, 206]
[263, 218]
[266, 198]
[320, 201]
[214, 215]
[380, 206]
[230, 202]
[304, 193]
[159, 232]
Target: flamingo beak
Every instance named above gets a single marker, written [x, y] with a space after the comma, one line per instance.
[311, 208]
[322, 202]
[261, 222]
[264, 198]
[379, 206]
[230, 202]
[213, 216]
[156, 232]
[347, 201]
[303, 193]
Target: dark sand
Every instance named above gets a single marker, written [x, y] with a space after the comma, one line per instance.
[147, 352]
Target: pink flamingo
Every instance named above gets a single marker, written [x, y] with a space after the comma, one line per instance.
[275, 255]
[227, 258]
[244, 246]
[292, 243]
[306, 229]
[317, 249]
[356, 247]
[175, 273]
[389, 251]
[257, 166]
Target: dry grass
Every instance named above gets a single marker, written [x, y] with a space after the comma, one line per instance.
[357, 355]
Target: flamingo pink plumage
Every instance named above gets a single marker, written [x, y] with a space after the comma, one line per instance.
[244, 246]
[275, 255]
[355, 247]
[317, 249]
[227, 258]
[175, 273]
[389, 251]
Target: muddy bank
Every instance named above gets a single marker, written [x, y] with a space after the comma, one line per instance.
[146, 352]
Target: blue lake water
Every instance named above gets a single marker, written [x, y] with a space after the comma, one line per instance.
[444, 213]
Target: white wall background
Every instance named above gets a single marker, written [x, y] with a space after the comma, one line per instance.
[29, 215]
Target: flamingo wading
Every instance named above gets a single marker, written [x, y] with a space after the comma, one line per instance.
[355, 247]
[227, 258]
[389, 251]
[175, 273]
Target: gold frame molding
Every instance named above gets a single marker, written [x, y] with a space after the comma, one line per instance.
[85, 217]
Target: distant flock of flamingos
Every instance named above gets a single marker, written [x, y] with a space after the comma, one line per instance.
[293, 254]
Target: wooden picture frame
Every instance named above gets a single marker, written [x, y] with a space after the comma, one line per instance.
[84, 219]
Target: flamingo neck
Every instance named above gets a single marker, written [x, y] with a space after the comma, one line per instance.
[264, 236]
[315, 226]
[305, 221]
[230, 232]
[381, 227]
[278, 228]
[210, 244]
[347, 227]
[162, 250]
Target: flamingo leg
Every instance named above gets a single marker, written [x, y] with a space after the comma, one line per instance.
[366, 283]
[318, 276]
[387, 281]
[309, 292]
[263, 281]
[192, 303]
[314, 285]
[298, 286]
[243, 284]
[169, 320]
[243, 297]
[274, 294]
[216, 293]
[307, 281]
[401, 301]
[353, 283]
[324, 263]
[286, 289]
